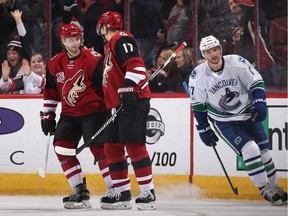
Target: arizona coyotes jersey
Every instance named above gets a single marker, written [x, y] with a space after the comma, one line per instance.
[226, 94]
[243, 41]
[76, 83]
[122, 60]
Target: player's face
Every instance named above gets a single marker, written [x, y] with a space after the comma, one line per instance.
[213, 55]
[72, 44]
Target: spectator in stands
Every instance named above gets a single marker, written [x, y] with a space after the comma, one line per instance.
[244, 35]
[13, 73]
[179, 23]
[87, 17]
[7, 26]
[32, 11]
[12, 26]
[161, 82]
[17, 77]
[37, 64]
[56, 23]
[184, 67]
[117, 5]
[145, 22]
[217, 19]
[174, 77]
[35, 75]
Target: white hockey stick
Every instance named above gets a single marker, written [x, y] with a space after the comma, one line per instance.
[42, 172]
[73, 152]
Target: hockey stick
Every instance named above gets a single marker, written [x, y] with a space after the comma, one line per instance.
[73, 152]
[40, 170]
[234, 189]
[180, 48]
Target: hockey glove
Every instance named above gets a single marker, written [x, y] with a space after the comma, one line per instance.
[207, 135]
[48, 123]
[258, 110]
[127, 96]
[68, 4]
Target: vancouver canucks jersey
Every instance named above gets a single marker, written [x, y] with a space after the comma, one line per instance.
[226, 94]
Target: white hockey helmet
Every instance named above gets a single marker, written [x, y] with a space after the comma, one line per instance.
[208, 43]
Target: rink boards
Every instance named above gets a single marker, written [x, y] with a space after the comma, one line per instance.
[178, 156]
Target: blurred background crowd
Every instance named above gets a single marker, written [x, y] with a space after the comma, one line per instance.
[254, 29]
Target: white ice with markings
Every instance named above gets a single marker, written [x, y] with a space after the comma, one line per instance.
[52, 206]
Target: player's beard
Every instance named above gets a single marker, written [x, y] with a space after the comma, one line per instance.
[215, 61]
[73, 51]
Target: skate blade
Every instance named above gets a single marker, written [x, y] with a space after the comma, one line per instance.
[146, 206]
[117, 206]
[85, 204]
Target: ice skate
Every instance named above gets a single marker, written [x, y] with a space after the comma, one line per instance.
[146, 201]
[109, 193]
[271, 195]
[78, 199]
[114, 200]
[282, 194]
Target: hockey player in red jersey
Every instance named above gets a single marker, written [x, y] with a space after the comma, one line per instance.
[124, 73]
[73, 78]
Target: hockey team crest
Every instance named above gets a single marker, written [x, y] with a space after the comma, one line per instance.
[155, 127]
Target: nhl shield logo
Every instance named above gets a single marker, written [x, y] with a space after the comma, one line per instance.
[155, 127]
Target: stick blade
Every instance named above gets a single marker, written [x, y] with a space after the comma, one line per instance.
[235, 190]
[41, 172]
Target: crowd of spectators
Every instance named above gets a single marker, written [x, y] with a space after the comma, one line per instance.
[159, 28]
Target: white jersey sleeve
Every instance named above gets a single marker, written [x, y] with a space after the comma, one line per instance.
[198, 96]
[249, 76]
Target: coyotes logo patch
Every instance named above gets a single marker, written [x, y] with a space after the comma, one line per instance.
[107, 67]
[72, 87]
[237, 34]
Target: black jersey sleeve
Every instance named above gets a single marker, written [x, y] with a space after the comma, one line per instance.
[50, 80]
[126, 48]
[98, 73]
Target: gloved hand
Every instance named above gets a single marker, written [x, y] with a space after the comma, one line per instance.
[258, 110]
[127, 97]
[68, 4]
[207, 135]
[48, 123]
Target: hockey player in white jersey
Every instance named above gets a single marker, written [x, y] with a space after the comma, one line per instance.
[230, 92]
